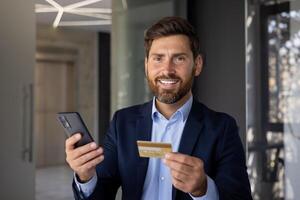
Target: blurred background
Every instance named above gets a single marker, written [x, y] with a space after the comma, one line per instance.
[88, 56]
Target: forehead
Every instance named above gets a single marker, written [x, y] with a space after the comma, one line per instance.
[176, 43]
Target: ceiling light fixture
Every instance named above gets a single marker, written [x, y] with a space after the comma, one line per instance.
[103, 15]
[93, 10]
[85, 23]
[80, 4]
[96, 15]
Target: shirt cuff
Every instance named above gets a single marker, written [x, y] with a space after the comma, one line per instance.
[211, 193]
[86, 188]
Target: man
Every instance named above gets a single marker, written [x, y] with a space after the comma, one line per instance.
[207, 161]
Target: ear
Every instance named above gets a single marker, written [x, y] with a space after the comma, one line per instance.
[198, 65]
[146, 66]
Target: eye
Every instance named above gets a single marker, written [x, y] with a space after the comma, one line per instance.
[179, 59]
[157, 59]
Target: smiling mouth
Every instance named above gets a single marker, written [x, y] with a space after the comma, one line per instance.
[168, 84]
[168, 81]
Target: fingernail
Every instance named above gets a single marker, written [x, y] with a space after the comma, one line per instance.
[78, 136]
[99, 150]
[167, 155]
[93, 145]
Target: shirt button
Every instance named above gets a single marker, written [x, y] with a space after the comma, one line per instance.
[162, 178]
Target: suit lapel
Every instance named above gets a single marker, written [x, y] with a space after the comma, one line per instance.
[190, 135]
[143, 132]
[191, 132]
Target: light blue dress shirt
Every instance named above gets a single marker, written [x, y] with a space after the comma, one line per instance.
[158, 182]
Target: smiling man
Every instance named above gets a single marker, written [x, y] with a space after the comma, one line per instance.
[207, 161]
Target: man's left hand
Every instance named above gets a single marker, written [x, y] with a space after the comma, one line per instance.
[188, 173]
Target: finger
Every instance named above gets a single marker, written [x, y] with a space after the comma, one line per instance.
[92, 163]
[71, 141]
[88, 157]
[178, 184]
[180, 176]
[79, 151]
[179, 167]
[181, 158]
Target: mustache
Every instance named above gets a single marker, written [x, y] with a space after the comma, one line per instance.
[169, 76]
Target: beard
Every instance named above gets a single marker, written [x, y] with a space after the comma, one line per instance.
[170, 96]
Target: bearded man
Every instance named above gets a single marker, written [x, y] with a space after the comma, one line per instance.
[207, 160]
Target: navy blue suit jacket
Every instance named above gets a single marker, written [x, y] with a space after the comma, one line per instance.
[208, 135]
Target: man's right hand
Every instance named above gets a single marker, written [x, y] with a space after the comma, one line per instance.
[83, 160]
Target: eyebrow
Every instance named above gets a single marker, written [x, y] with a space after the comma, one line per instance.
[173, 55]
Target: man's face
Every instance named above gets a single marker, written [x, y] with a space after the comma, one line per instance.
[170, 68]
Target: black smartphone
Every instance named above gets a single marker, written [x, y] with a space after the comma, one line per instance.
[72, 124]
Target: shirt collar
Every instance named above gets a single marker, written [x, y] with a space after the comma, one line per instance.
[184, 110]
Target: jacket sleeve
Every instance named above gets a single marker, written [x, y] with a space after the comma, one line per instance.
[231, 173]
[107, 171]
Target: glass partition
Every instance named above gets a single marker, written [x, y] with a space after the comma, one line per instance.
[130, 20]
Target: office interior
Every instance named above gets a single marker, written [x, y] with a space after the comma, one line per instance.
[51, 64]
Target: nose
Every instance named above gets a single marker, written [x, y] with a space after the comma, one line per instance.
[169, 66]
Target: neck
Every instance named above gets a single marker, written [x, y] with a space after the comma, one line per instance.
[167, 110]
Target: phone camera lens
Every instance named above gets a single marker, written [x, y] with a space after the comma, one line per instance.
[67, 125]
[64, 122]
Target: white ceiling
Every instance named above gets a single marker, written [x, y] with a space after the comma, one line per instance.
[47, 11]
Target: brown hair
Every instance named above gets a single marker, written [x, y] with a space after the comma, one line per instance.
[171, 26]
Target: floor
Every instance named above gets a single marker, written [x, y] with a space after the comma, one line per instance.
[54, 183]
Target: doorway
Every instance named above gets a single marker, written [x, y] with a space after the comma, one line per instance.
[65, 80]
[54, 91]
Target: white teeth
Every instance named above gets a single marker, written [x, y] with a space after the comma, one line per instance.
[168, 81]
